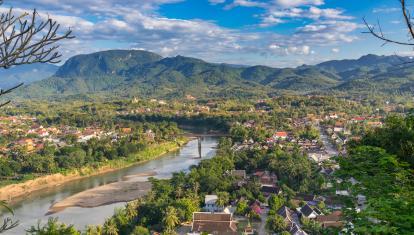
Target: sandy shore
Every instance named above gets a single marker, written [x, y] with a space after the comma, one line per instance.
[124, 191]
[16, 192]
[131, 188]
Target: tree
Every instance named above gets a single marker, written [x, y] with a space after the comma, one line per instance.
[311, 226]
[53, 227]
[186, 208]
[276, 223]
[110, 227]
[139, 230]
[27, 39]
[377, 32]
[222, 199]
[94, 230]
[242, 208]
[131, 210]
[276, 202]
[170, 219]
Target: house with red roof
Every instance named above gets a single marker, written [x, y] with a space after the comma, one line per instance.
[280, 135]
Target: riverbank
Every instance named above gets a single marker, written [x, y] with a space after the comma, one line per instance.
[16, 192]
[125, 191]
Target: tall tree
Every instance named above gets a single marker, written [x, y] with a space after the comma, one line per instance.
[28, 38]
[170, 219]
[222, 199]
[110, 227]
[276, 224]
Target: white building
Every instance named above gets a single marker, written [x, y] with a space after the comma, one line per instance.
[210, 204]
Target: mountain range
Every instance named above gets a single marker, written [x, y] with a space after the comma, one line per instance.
[127, 73]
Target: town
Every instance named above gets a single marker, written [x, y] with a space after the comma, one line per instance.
[273, 171]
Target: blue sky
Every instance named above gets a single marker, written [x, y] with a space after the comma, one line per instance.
[279, 33]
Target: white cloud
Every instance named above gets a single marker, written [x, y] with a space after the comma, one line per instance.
[277, 15]
[107, 24]
[335, 50]
[386, 10]
[246, 3]
[295, 3]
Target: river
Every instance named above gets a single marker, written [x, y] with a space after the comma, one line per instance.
[33, 208]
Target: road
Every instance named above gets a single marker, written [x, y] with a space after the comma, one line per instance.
[329, 147]
[262, 228]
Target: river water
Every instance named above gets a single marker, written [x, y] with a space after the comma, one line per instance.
[33, 208]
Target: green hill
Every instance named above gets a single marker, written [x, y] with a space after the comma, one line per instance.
[128, 73]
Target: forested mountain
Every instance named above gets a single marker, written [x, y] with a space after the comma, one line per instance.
[141, 73]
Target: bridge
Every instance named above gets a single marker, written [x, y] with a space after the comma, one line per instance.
[196, 135]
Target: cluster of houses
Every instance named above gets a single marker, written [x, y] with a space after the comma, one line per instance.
[314, 148]
[341, 124]
[25, 133]
[216, 219]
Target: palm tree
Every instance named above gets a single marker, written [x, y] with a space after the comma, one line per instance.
[131, 210]
[170, 219]
[223, 199]
[94, 230]
[179, 192]
[150, 196]
[110, 227]
[196, 187]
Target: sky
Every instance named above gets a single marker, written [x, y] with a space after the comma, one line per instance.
[277, 33]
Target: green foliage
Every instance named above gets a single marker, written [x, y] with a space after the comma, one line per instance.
[385, 179]
[397, 137]
[139, 230]
[242, 208]
[276, 223]
[170, 219]
[276, 202]
[222, 199]
[110, 227]
[294, 169]
[186, 207]
[311, 226]
[53, 227]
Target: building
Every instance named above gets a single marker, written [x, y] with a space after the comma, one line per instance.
[362, 202]
[332, 220]
[292, 221]
[256, 207]
[266, 178]
[213, 223]
[280, 135]
[318, 156]
[270, 190]
[239, 174]
[342, 193]
[210, 204]
[309, 212]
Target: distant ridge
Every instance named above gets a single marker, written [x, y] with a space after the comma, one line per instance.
[128, 73]
[26, 74]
